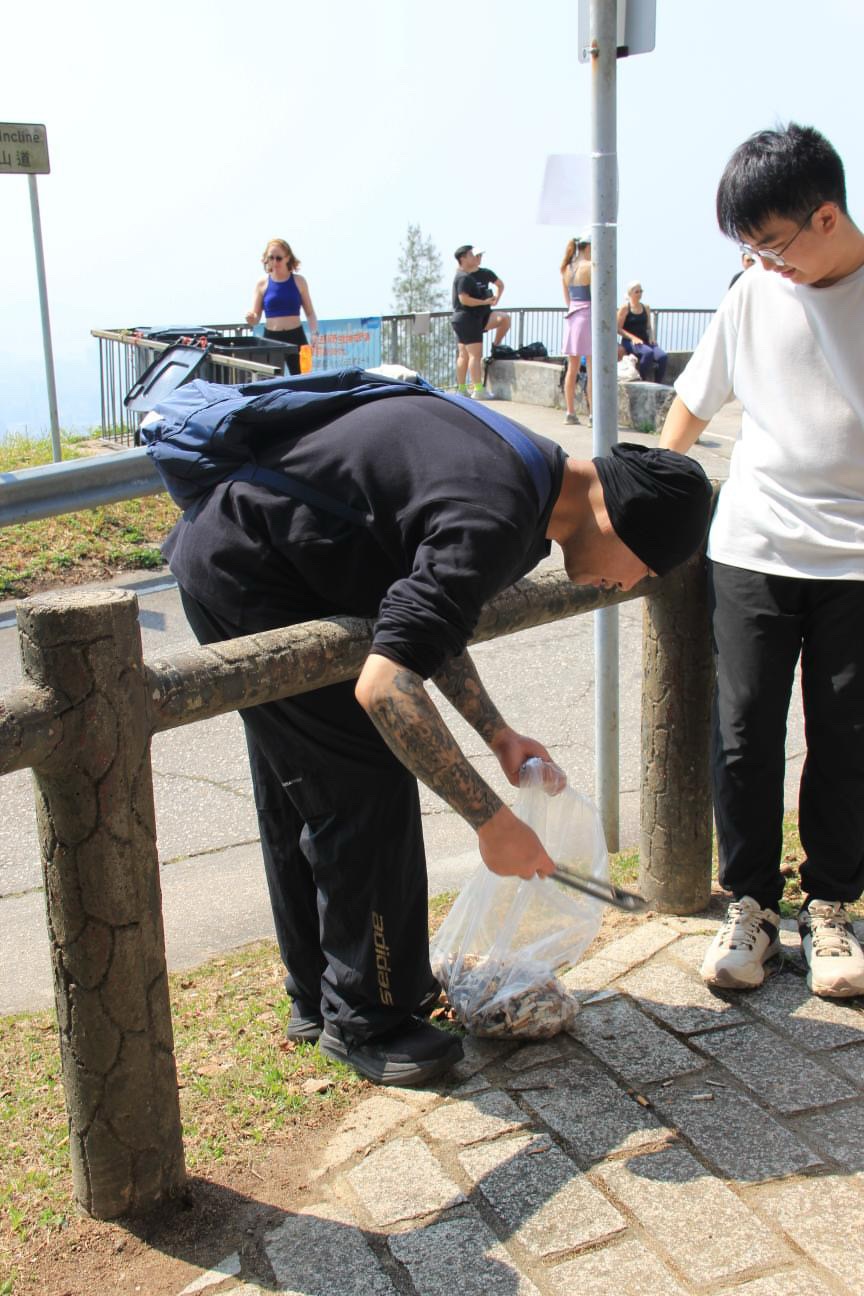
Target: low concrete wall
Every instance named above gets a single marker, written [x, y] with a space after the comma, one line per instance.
[641, 406]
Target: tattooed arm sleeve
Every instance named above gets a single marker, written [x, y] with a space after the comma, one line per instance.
[397, 703]
[462, 686]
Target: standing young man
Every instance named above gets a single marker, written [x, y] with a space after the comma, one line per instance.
[476, 292]
[786, 552]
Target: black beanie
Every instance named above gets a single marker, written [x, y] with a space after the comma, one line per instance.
[658, 501]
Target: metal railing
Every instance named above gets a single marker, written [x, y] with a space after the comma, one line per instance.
[680, 330]
[421, 342]
[124, 354]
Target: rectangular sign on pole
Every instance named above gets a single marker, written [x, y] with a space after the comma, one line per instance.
[635, 28]
[23, 149]
[566, 195]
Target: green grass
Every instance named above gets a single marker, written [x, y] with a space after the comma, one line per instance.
[90, 545]
[241, 1085]
[17, 450]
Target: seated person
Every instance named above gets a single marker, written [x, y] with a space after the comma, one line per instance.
[637, 335]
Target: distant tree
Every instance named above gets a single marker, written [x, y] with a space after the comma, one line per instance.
[418, 286]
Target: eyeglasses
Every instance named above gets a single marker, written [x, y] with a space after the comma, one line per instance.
[274, 258]
[776, 258]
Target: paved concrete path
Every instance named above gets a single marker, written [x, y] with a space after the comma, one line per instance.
[678, 1142]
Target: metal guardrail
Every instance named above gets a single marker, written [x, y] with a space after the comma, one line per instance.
[57, 488]
[422, 342]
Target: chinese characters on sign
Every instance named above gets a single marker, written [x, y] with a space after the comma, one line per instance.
[23, 149]
[347, 343]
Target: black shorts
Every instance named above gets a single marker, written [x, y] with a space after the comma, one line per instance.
[295, 335]
[470, 328]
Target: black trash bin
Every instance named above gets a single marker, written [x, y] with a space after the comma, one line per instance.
[259, 350]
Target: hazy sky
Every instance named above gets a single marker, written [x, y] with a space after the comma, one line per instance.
[182, 136]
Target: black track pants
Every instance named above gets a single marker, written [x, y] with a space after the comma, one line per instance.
[761, 624]
[342, 840]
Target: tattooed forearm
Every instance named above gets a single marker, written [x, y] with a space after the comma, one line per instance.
[459, 682]
[415, 732]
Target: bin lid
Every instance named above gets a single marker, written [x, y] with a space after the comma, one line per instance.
[167, 372]
[177, 332]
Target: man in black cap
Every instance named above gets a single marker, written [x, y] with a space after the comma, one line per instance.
[476, 292]
[455, 504]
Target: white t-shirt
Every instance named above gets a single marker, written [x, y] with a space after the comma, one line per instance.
[794, 357]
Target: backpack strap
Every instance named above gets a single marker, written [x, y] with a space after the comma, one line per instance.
[528, 452]
[285, 484]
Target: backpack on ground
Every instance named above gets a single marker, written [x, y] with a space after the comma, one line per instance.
[533, 351]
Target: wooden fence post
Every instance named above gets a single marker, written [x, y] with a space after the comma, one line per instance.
[678, 676]
[96, 824]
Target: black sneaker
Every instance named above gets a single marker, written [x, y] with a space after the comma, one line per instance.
[409, 1055]
[430, 1000]
[304, 1027]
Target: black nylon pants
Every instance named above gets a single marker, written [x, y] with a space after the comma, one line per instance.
[761, 624]
[343, 850]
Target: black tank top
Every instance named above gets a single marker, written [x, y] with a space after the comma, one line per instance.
[637, 324]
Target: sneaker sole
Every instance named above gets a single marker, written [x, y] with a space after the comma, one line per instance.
[724, 980]
[307, 1034]
[839, 990]
[403, 1074]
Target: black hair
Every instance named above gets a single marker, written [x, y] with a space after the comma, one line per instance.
[787, 172]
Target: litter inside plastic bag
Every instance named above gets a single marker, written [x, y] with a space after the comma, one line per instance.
[498, 952]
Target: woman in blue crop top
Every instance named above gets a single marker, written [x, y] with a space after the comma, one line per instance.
[280, 296]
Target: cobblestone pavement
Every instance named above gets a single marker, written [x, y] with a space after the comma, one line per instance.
[678, 1142]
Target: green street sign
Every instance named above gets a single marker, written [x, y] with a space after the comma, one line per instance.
[23, 149]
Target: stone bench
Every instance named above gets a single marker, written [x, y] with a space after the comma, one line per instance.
[642, 406]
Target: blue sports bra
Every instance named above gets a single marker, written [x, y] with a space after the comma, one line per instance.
[281, 298]
[579, 292]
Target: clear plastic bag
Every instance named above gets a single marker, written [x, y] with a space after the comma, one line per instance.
[499, 950]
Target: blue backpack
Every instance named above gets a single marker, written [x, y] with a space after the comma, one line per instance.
[208, 433]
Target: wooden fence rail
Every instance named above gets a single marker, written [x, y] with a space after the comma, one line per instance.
[83, 720]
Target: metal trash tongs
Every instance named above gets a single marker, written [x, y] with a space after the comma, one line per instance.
[605, 891]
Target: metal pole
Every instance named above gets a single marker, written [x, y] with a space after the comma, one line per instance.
[604, 275]
[46, 324]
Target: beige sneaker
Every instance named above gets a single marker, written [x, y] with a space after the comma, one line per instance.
[735, 959]
[834, 958]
